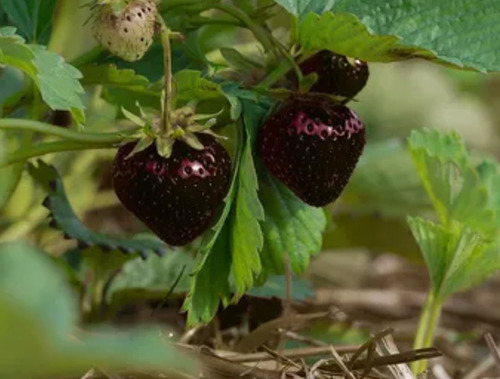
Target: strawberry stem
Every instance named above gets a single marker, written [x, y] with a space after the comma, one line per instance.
[25, 125]
[42, 149]
[166, 125]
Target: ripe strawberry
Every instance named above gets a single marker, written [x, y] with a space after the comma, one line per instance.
[336, 75]
[128, 33]
[312, 146]
[176, 197]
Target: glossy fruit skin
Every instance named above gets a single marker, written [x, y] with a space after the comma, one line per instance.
[336, 75]
[312, 147]
[176, 197]
[129, 33]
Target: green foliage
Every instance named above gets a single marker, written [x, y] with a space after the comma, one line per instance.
[64, 218]
[151, 279]
[57, 80]
[42, 335]
[449, 30]
[32, 17]
[464, 248]
[291, 228]
[191, 85]
[386, 31]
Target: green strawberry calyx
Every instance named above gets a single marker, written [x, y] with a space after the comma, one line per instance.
[185, 123]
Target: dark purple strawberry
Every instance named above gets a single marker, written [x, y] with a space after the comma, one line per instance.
[336, 75]
[312, 146]
[176, 197]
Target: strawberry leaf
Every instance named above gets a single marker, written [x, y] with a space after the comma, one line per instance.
[57, 80]
[386, 31]
[456, 189]
[446, 30]
[64, 218]
[190, 84]
[290, 228]
[465, 248]
[46, 335]
[58, 83]
[109, 75]
[457, 259]
[152, 279]
[247, 239]
[215, 261]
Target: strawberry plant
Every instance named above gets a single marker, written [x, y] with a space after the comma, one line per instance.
[230, 130]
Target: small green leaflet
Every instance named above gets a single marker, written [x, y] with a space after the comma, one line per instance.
[247, 239]
[457, 259]
[32, 17]
[464, 249]
[39, 314]
[64, 218]
[110, 75]
[452, 182]
[59, 83]
[190, 84]
[290, 227]
[57, 80]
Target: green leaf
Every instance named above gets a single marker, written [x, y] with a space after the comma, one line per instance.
[14, 52]
[57, 80]
[64, 218]
[459, 32]
[457, 259]
[215, 258]
[191, 85]
[290, 228]
[151, 279]
[58, 83]
[397, 30]
[38, 321]
[345, 34]
[210, 284]
[301, 7]
[110, 76]
[32, 17]
[451, 180]
[247, 239]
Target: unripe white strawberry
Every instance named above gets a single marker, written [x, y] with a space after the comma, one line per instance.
[128, 33]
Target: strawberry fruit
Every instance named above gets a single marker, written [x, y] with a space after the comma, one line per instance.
[176, 197]
[312, 146]
[336, 74]
[128, 33]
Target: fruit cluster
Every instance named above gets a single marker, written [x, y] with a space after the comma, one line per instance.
[311, 143]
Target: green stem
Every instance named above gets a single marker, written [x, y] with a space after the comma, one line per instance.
[16, 124]
[427, 327]
[166, 125]
[258, 31]
[39, 150]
